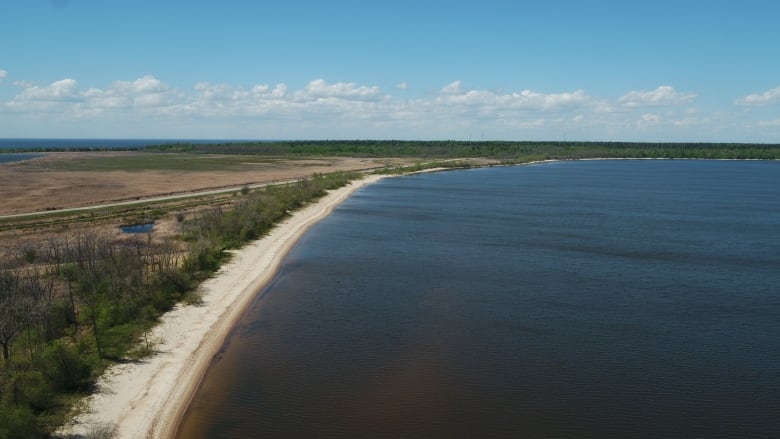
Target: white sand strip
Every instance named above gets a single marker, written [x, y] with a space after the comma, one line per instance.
[147, 399]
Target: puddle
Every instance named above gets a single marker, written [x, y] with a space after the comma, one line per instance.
[137, 228]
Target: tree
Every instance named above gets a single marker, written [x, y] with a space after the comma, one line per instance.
[13, 315]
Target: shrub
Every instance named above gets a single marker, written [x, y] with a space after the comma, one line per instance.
[30, 388]
[66, 368]
[19, 423]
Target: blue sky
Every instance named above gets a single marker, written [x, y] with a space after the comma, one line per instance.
[683, 70]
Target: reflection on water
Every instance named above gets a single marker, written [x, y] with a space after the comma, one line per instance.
[584, 299]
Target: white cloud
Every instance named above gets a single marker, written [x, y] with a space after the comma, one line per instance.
[454, 87]
[771, 96]
[402, 86]
[3, 75]
[214, 91]
[224, 100]
[553, 100]
[662, 96]
[647, 120]
[44, 98]
[65, 96]
[147, 91]
[145, 85]
[279, 91]
[347, 99]
[319, 89]
[455, 96]
[348, 110]
[62, 90]
[317, 99]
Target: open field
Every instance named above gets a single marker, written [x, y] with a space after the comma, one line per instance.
[191, 182]
[75, 179]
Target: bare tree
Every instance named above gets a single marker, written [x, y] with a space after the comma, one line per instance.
[15, 309]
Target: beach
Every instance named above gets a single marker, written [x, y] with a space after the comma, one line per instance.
[146, 399]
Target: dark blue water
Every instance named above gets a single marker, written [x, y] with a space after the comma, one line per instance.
[575, 299]
[12, 157]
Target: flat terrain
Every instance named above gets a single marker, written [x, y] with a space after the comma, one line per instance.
[78, 179]
[66, 180]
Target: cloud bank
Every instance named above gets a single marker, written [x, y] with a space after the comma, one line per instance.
[147, 106]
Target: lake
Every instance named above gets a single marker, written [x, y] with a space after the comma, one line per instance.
[621, 298]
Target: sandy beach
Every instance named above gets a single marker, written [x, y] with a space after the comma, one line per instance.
[146, 399]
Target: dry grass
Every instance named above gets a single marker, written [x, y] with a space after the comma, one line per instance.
[77, 179]
[80, 179]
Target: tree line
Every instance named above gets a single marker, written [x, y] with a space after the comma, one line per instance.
[503, 150]
[71, 306]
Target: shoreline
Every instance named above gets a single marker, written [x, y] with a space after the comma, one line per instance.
[148, 398]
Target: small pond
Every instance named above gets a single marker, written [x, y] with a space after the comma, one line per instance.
[137, 228]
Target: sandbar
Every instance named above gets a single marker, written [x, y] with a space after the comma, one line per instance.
[147, 399]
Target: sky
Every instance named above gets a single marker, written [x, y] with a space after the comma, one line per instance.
[651, 71]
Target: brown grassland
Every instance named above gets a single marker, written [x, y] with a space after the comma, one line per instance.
[64, 180]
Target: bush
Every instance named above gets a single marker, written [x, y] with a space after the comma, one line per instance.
[60, 321]
[30, 388]
[66, 368]
[19, 423]
[172, 281]
[203, 258]
[120, 338]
